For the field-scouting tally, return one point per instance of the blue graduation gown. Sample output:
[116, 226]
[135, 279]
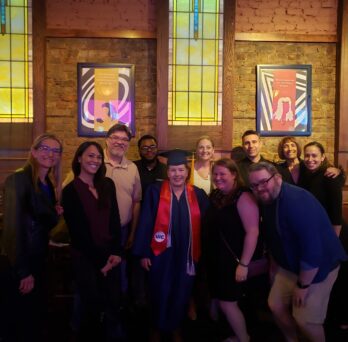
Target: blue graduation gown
[169, 284]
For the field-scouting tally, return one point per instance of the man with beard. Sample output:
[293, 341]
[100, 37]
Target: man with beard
[149, 167]
[304, 248]
[252, 144]
[150, 170]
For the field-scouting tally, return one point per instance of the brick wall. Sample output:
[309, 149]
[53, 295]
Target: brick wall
[322, 57]
[287, 16]
[101, 14]
[61, 106]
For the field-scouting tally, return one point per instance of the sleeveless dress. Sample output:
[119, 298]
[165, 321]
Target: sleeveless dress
[219, 262]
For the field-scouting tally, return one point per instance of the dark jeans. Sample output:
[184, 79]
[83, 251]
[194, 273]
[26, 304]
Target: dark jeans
[100, 301]
[21, 315]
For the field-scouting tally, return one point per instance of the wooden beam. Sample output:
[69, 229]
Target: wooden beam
[39, 70]
[162, 73]
[286, 37]
[227, 95]
[342, 87]
[70, 33]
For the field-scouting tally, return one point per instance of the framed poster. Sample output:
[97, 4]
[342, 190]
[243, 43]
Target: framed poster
[284, 100]
[105, 95]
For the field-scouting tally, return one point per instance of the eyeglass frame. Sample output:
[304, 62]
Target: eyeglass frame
[46, 149]
[116, 138]
[149, 148]
[261, 183]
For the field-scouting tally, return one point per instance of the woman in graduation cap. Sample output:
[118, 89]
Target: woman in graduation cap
[168, 243]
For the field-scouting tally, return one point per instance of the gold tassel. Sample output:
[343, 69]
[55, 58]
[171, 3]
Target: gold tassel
[192, 178]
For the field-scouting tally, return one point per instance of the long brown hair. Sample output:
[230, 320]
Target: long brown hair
[55, 173]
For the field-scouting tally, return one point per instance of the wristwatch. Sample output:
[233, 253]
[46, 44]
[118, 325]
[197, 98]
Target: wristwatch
[302, 286]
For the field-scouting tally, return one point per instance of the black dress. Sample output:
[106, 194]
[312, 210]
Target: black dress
[219, 261]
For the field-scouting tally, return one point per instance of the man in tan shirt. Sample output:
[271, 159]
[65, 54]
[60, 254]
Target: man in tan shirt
[125, 175]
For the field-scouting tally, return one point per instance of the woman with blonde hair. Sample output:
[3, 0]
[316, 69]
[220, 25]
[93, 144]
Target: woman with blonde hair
[31, 210]
[201, 171]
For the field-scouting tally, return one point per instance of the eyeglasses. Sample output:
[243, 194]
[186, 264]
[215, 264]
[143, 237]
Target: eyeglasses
[115, 138]
[46, 149]
[262, 183]
[148, 148]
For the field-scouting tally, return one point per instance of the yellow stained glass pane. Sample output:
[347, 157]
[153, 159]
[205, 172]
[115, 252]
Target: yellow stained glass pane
[195, 52]
[209, 26]
[18, 101]
[18, 76]
[211, 6]
[195, 106]
[5, 101]
[182, 25]
[18, 2]
[182, 51]
[17, 20]
[181, 105]
[209, 52]
[170, 106]
[208, 73]
[181, 78]
[195, 78]
[30, 101]
[18, 47]
[182, 5]
[5, 79]
[5, 47]
[208, 107]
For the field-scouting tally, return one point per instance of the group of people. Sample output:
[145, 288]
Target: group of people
[145, 233]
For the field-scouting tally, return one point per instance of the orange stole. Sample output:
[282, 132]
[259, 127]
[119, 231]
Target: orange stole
[161, 229]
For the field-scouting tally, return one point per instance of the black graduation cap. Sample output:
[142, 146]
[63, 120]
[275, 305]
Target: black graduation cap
[176, 156]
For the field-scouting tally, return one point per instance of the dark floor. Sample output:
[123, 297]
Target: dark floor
[203, 329]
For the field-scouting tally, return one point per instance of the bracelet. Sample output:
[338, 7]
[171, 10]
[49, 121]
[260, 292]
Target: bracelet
[301, 286]
[244, 265]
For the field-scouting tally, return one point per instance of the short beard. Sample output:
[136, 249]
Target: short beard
[147, 161]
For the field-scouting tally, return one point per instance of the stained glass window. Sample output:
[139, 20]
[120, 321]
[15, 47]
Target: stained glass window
[16, 82]
[195, 62]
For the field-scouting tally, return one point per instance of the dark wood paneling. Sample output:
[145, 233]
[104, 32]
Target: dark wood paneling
[39, 67]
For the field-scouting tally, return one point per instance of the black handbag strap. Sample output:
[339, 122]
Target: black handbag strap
[228, 246]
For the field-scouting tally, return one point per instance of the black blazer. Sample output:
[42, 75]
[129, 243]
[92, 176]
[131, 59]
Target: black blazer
[29, 215]
[78, 225]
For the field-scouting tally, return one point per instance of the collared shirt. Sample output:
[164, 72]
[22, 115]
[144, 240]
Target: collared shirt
[128, 187]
